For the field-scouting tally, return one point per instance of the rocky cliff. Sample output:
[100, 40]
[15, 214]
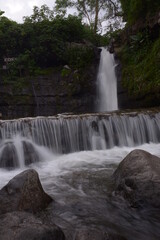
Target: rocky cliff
[138, 62]
[62, 90]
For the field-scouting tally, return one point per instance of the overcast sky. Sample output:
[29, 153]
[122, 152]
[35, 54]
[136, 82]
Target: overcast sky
[17, 9]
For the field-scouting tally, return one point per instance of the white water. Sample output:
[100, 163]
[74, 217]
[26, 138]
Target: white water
[107, 83]
[84, 132]
[78, 182]
[52, 166]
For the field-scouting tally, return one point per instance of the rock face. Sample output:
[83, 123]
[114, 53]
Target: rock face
[23, 225]
[24, 193]
[137, 179]
[125, 100]
[61, 90]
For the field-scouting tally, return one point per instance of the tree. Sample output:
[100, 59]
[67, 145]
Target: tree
[40, 14]
[92, 11]
[1, 13]
[10, 38]
[134, 10]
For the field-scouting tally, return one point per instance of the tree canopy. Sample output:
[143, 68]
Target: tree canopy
[42, 40]
[94, 12]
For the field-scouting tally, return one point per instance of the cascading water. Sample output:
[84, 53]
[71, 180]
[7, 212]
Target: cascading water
[79, 180]
[107, 83]
[73, 133]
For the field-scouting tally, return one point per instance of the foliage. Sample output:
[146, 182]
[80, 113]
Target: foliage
[40, 14]
[41, 41]
[65, 72]
[141, 66]
[138, 9]
[10, 38]
[140, 52]
[79, 57]
[94, 12]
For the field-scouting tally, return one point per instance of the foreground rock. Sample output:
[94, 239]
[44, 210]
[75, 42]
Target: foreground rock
[23, 225]
[137, 179]
[92, 234]
[24, 193]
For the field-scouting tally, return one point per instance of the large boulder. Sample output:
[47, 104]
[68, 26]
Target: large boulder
[137, 179]
[95, 234]
[90, 234]
[25, 226]
[24, 193]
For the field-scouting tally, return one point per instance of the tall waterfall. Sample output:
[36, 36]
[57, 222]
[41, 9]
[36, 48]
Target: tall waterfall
[22, 138]
[107, 83]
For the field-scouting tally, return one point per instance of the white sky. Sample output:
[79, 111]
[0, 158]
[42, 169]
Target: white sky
[17, 9]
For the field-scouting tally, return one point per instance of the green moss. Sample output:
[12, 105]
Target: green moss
[141, 68]
[65, 72]
[17, 100]
[79, 57]
[20, 84]
[45, 71]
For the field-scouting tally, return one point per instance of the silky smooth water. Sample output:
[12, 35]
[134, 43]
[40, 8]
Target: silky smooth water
[74, 133]
[79, 179]
[107, 82]
[79, 184]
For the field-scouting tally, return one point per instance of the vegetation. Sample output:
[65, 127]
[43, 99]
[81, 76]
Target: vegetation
[134, 10]
[94, 12]
[140, 51]
[141, 68]
[43, 41]
[48, 39]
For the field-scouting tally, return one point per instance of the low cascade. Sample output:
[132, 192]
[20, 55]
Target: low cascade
[107, 83]
[65, 134]
[18, 151]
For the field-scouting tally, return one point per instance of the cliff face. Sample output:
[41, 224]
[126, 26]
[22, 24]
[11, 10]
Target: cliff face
[63, 90]
[137, 50]
[128, 100]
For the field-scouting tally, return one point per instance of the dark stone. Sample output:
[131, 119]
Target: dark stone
[90, 234]
[30, 154]
[24, 193]
[93, 234]
[8, 156]
[137, 179]
[111, 46]
[25, 226]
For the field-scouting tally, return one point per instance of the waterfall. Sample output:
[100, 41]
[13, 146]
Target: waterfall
[107, 83]
[71, 133]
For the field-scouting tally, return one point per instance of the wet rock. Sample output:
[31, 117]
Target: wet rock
[30, 153]
[90, 234]
[137, 179]
[93, 234]
[10, 158]
[25, 226]
[24, 193]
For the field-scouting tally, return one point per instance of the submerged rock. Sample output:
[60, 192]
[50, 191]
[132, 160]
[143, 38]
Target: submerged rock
[23, 225]
[137, 179]
[24, 193]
